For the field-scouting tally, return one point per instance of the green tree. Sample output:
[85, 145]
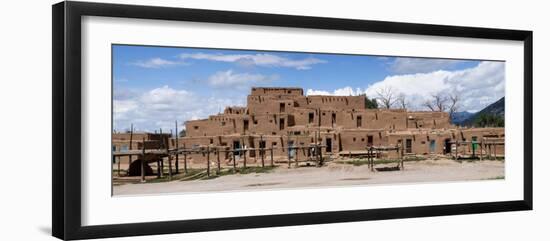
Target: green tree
[489, 120]
[371, 103]
[182, 133]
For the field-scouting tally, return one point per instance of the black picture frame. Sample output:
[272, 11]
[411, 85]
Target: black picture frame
[66, 75]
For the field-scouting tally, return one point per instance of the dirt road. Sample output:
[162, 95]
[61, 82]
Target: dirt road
[334, 174]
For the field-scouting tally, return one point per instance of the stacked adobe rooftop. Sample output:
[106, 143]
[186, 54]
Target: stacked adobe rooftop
[286, 122]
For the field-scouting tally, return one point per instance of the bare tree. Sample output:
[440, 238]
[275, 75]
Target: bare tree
[386, 97]
[402, 101]
[454, 103]
[438, 102]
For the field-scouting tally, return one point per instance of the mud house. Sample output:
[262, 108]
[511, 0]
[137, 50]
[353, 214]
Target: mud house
[281, 119]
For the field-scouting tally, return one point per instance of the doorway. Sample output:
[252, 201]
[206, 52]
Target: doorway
[328, 142]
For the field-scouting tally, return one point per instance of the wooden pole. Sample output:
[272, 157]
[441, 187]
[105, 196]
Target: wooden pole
[184, 159]
[208, 161]
[158, 169]
[271, 151]
[244, 158]
[130, 148]
[234, 160]
[456, 150]
[143, 161]
[320, 156]
[118, 168]
[165, 145]
[401, 158]
[219, 163]
[296, 157]
[162, 167]
[371, 158]
[177, 150]
[262, 150]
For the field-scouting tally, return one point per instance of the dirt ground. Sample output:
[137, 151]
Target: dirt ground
[333, 174]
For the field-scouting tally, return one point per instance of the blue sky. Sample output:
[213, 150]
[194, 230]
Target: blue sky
[154, 86]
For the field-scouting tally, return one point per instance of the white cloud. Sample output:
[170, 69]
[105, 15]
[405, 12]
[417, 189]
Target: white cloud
[156, 63]
[346, 91]
[266, 60]
[160, 107]
[404, 65]
[478, 86]
[239, 80]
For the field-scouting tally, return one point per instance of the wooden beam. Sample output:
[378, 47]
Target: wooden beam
[177, 150]
[184, 160]
[130, 147]
[271, 151]
[218, 159]
[208, 161]
[143, 162]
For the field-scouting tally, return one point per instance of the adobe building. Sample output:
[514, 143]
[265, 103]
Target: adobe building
[281, 118]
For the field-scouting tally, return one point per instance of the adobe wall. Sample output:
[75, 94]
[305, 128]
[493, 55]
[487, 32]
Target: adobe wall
[276, 91]
[428, 120]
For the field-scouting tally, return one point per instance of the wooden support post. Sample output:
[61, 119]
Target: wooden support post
[169, 158]
[262, 153]
[130, 147]
[207, 161]
[371, 159]
[244, 158]
[161, 167]
[456, 150]
[320, 156]
[296, 157]
[177, 150]
[158, 169]
[129, 163]
[401, 158]
[169, 167]
[184, 159]
[218, 159]
[234, 161]
[143, 162]
[271, 152]
[118, 167]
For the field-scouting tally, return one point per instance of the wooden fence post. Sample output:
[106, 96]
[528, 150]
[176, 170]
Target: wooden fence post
[218, 156]
[234, 160]
[272, 164]
[143, 162]
[177, 150]
[184, 159]
[208, 161]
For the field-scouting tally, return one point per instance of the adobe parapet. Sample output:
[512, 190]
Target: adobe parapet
[277, 91]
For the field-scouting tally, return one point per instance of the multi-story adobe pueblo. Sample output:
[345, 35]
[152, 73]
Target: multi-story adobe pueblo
[283, 118]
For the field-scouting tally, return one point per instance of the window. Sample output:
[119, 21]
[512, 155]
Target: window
[223, 123]
[196, 127]
[311, 115]
[359, 121]
[245, 123]
[354, 139]
[282, 107]
[281, 124]
[124, 148]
